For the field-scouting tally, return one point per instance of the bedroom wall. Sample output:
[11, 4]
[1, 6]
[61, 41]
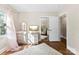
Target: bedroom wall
[32, 18]
[72, 12]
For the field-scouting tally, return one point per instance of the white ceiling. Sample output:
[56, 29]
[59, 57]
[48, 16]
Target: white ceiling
[37, 7]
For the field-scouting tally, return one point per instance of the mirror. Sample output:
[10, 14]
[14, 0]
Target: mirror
[44, 25]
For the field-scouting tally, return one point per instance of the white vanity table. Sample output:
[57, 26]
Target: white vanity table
[30, 36]
[22, 37]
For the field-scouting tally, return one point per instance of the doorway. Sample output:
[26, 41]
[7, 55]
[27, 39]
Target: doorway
[63, 28]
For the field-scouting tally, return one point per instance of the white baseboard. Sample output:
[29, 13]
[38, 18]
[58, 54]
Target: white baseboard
[73, 50]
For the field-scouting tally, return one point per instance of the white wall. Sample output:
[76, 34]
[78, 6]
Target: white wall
[72, 12]
[31, 18]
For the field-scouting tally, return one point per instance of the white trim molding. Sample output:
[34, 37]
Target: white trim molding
[73, 50]
[63, 13]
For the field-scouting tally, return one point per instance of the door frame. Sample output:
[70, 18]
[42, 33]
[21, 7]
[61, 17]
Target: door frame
[61, 15]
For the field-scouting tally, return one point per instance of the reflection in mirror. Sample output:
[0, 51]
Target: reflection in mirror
[44, 25]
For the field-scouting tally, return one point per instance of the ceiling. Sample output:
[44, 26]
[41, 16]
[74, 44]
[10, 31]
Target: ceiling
[37, 7]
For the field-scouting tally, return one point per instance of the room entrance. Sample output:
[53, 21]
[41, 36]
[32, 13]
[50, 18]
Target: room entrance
[63, 28]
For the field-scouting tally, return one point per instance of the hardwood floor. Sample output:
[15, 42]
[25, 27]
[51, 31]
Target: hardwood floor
[59, 46]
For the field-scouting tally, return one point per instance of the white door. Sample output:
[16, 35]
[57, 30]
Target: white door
[54, 30]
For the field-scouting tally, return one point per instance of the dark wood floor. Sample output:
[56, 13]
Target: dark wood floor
[59, 46]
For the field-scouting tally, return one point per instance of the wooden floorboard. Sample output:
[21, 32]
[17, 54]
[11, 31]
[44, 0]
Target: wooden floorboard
[58, 45]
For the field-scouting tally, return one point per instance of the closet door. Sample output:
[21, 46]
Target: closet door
[54, 30]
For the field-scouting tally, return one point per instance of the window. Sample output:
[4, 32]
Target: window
[2, 23]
